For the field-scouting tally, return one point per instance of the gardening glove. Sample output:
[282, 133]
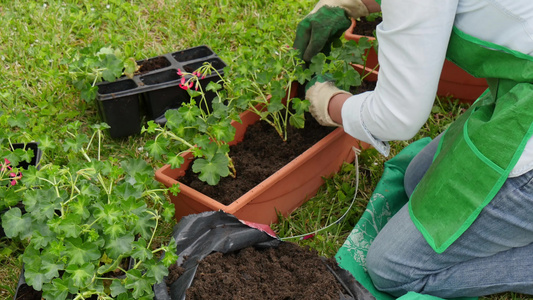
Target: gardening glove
[325, 23]
[319, 91]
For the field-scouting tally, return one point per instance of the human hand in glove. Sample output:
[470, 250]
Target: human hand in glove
[326, 22]
[319, 91]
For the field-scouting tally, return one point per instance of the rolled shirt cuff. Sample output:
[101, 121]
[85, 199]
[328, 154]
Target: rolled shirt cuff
[354, 125]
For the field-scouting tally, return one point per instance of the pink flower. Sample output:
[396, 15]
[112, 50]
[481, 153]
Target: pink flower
[183, 84]
[179, 72]
[6, 165]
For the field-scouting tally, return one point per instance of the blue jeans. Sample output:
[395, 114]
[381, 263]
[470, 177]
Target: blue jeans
[494, 255]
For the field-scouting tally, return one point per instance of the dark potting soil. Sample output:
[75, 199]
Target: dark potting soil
[287, 272]
[26, 292]
[261, 153]
[366, 28]
[151, 64]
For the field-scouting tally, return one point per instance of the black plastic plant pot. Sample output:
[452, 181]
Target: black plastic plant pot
[120, 107]
[123, 104]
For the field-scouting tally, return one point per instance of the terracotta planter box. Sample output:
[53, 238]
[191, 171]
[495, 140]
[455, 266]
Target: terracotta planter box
[124, 104]
[282, 192]
[454, 81]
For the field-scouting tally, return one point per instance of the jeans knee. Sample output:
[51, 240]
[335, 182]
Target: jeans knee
[386, 274]
[378, 269]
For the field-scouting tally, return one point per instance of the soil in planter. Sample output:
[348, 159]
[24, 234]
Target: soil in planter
[286, 272]
[366, 28]
[259, 155]
[364, 87]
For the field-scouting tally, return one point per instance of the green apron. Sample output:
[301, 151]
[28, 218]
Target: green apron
[479, 150]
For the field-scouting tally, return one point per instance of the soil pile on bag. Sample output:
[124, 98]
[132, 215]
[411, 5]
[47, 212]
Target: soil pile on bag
[284, 272]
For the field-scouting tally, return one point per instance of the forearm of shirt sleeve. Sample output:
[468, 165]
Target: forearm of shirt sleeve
[413, 39]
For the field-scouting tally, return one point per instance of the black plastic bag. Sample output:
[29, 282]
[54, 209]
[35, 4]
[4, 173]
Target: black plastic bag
[202, 234]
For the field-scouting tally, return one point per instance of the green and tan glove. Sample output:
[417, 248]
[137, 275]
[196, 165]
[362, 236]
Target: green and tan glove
[325, 23]
[319, 91]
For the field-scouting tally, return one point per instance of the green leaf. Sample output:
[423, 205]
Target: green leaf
[175, 161]
[41, 237]
[170, 257]
[168, 211]
[297, 120]
[223, 131]
[134, 166]
[211, 169]
[33, 275]
[140, 285]
[79, 253]
[117, 288]
[79, 207]
[46, 143]
[140, 251]
[69, 226]
[113, 67]
[76, 143]
[156, 270]
[50, 267]
[175, 189]
[189, 114]
[114, 230]
[109, 212]
[90, 93]
[157, 147]
[130, 67]
[119, 246]
[58, 289]
[317, 63]
[144, 225]
[16, 225]
[300, 106]
[80, 275]
[213, 86]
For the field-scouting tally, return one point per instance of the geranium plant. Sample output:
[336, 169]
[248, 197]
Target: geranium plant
[91, 226]
[263, 86]
[202, 127]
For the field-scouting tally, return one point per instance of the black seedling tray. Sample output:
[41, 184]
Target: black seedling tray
[123, 104]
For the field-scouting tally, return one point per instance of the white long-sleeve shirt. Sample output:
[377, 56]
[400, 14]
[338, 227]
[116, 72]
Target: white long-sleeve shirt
[413, 39]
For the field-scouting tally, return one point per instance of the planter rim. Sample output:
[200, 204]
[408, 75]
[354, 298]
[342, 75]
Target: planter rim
[348, 34]
[258, 189]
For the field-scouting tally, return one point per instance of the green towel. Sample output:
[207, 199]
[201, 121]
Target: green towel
[388, 197]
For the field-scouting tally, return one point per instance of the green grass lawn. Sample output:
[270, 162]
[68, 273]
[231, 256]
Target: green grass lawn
[37, 100]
